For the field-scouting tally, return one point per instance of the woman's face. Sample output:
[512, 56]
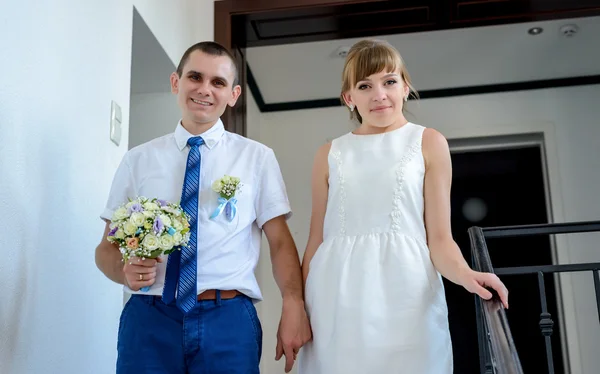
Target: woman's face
[379, 98]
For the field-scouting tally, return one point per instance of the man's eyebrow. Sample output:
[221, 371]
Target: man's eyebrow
[194, 72]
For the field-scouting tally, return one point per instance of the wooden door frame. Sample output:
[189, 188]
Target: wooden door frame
[234, 118]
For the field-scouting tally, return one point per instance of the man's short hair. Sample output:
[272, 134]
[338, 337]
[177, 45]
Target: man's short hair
[210, 48]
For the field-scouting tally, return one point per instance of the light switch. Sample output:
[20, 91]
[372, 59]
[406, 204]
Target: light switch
[115, 123]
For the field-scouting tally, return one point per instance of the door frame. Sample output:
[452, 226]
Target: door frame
[544, 139]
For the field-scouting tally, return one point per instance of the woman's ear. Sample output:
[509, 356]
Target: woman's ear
[348, 100]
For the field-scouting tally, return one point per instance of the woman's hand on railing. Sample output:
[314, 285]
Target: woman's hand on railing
[477, 282]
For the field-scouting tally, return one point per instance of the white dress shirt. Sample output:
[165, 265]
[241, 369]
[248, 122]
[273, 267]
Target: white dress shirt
[227, 251]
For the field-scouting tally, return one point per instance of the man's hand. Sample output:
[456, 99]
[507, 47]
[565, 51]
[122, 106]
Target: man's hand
[294, 328]
[294, 331]
[140, 273]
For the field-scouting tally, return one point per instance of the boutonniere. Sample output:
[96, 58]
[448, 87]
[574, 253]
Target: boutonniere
[226, 187]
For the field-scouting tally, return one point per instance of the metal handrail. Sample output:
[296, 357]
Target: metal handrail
[491, 320]
[497, 350]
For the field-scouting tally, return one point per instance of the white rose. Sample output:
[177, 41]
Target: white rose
[130, 204]
[166, 242]
[174, 212]
[120, 234]
[177, 225]
[150, 206]
[177, 238]
[148, 213]
[217, 186]
[151, 242]
[129, 228]
[226, 179]
[137, 219]
[120, 214]
[165, 219]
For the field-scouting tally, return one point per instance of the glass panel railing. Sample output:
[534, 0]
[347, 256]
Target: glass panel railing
[497, 351]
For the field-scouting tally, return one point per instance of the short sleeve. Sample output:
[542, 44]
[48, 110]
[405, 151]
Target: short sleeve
[122, 189]
[271, 196]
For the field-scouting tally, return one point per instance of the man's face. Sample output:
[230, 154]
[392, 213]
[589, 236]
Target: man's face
[205, 87]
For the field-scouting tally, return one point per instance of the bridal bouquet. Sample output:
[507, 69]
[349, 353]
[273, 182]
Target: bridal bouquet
[148, 228]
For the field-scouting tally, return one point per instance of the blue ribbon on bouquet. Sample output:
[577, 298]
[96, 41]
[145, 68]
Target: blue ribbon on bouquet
[226, 205]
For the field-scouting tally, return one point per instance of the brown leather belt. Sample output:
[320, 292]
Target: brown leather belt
[212, 294]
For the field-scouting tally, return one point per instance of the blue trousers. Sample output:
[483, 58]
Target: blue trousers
[216, 337]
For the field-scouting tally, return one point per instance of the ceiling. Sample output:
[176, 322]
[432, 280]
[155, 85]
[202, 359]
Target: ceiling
[436, 59]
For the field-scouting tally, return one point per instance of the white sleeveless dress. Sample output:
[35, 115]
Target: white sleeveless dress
[376, 303]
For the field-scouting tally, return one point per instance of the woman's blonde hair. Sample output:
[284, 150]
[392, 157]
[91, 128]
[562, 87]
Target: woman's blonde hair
[369, 57]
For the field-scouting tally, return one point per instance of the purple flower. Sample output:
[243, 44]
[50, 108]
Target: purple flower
[137, 207]
[113, 231]
[161, 202]
[158, 226]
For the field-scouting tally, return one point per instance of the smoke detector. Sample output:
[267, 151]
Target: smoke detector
[342, 52]
[569, 31]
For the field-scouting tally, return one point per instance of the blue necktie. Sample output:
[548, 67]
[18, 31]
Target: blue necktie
[182, 265]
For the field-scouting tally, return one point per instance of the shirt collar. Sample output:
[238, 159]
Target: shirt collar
[211, 136]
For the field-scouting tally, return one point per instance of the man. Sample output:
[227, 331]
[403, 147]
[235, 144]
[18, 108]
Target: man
[211, 325]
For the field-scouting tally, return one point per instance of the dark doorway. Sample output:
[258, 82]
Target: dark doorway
[499, 188]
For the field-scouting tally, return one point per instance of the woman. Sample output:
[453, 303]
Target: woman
[380, 234]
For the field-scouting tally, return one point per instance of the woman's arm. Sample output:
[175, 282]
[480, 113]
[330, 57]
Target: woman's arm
[445, 253]
[320, 188]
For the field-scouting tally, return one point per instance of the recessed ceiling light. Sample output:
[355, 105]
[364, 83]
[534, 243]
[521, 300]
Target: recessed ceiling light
[535, 31]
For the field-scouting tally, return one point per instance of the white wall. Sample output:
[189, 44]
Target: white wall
[177, 24]
[62, 63]
[152, 115]
[270, 316]
[253, 116]
[569, 119]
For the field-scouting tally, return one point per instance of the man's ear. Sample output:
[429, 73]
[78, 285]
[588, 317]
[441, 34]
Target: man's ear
[235, 94]
[174, 83]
